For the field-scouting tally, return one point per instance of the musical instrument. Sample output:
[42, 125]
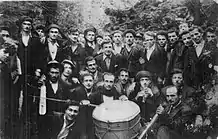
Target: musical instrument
[117, 119]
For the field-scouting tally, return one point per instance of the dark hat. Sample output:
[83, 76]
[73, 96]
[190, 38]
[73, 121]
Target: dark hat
[139, 35]
[129, 31]
[117, 31]
[176, 71]
[26, 18]
[53, 63]
[68, 62]
[4, 28]
[90, 29]
[143, 73]
[40, 26]
[53, 26]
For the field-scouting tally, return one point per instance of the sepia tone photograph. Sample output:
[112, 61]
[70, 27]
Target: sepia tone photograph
[109, 69]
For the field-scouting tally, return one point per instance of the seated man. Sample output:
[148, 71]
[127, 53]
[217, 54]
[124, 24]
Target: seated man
[67, 125]
[107, 91]
[173, 119]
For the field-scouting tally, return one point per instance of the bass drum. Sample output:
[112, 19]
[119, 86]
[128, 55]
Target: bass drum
[117, 120]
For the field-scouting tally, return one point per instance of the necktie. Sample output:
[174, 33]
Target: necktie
[107, 61]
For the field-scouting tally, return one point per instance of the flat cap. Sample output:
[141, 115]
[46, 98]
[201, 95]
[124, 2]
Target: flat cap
[53, 26]
[68, 62]
[26, 18]
[53, 63]
[129, 31]
[90, 29]
[142, 74]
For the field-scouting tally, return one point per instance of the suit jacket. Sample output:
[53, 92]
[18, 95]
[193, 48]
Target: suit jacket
[101, 63]
[75, 131]
[157, 62]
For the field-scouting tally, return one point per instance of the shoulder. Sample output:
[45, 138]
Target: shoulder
[131, 88]
[98, 57]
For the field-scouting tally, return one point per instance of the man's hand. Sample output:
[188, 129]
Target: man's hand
[123, 98]
[140, 94]
[160, 109]
[141, 60]
[75, 80]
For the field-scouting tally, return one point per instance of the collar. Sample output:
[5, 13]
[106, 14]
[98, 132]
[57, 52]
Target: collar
[152, 48]
[53, 83]
[30, 34]
[104, 56]
[53, 43]
[200, 44]
[177, 104]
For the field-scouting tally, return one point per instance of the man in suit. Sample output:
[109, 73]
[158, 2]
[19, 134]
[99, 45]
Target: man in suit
[153, 57]
[67, 125]
[174, 117]
[107, 60]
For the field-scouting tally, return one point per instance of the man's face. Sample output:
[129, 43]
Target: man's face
[117, 38]
[107, 48]
[40, 32]
[4, 56]
[177, 79]
[145, 82]
[124, 76]
[183, 27]
[71, 112]
[162, 40]
[172, 37]
[54, 75]
[108, 82]
[196, 36]
[129, 38]
[211, 37]
[186, 38]
[99, 40]
[90, 36]
[107, 38]
[67, 69]
[53, 33]
[81, 38]
[138, 40]
[88, 82]
[26, 26]
[74, 36]
[5, 34]
[92, 66]
[149, 41]
[172, 96]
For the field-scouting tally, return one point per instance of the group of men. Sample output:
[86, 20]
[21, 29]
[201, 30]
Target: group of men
[48, 79]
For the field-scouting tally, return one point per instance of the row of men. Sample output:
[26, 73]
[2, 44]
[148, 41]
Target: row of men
[189, 51]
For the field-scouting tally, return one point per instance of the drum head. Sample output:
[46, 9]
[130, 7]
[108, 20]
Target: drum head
[116, 111]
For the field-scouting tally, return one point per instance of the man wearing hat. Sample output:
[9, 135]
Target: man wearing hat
[40, 29]
[53, 89]
[117, 41]
[145, 94]
[130, 53]
[139, 38]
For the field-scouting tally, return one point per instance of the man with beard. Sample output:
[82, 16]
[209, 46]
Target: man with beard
[123, 82]
[129, 53]
[107, 60]
[67, 125]
[51, 88]
[107, 91]
[174, 117]
[92, 67]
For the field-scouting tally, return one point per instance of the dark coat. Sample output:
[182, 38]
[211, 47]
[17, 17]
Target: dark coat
[157, 62]
[75, 132]
[102, 64]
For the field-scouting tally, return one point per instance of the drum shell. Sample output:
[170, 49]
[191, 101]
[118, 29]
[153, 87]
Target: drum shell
[118, 130]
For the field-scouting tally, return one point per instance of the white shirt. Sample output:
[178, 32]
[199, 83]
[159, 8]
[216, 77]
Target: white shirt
[54, 86]
[53, 49]
[150, 51]
[106, 98]
[118, 49]
[25, 39]
[199, 48]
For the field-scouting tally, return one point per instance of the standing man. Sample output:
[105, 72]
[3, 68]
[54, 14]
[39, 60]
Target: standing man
[153, 57]
[107, 60]
[4, 33]
[117, 41]
[90, 41]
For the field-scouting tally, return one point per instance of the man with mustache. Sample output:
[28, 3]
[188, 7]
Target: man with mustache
[174, 117]
[52, 88]
[67, 125]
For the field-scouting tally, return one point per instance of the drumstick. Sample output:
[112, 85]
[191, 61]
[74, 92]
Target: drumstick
[149, 126]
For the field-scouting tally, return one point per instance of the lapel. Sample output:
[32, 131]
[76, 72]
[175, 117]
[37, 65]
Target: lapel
[153, 54]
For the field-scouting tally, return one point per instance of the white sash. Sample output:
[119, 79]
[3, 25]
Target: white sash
[42, 101]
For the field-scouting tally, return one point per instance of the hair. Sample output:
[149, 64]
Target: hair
[211, 29]
[82, 76]
[55, 66]
[196, 27]
[162, 33]
[173, 30]
[179, 91]
[150, 33]
[106, 42]
[108, 74]
[89, 58]
[117, 31]
[70, 103]
[183, 33]
[72, 29]
[123, 69]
